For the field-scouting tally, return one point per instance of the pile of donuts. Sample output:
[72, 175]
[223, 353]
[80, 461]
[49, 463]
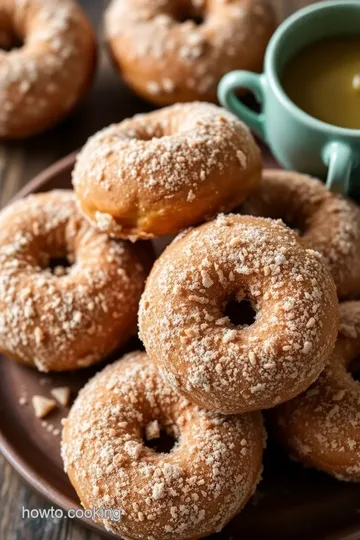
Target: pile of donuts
[240, 313]
[167, 51]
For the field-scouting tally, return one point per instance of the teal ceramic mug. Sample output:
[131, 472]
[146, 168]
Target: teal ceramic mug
[297, 140]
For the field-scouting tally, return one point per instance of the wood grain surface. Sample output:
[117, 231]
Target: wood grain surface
[21, 161]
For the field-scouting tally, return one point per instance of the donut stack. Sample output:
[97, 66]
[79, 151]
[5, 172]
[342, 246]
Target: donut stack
[239, 314]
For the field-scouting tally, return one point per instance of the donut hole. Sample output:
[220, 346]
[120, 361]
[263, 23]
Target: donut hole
[194, 17]
[354, 369]
[155, 131]
[189, 12]
[162, 442]
[9, 38]
[240, 312]
[59, 265]
[295, 224]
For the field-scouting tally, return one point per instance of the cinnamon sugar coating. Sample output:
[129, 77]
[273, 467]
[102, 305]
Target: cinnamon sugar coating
[44, 77]
[201, 353]
[157, 173]
[71, 317]
[321, 427]
[188, 493]
[329, 223]
[165, 56]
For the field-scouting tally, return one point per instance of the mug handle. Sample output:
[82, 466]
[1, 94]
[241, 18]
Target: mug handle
[254, 82]
[339, 158]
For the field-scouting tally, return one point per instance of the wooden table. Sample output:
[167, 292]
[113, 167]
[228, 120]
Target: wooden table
[19, 162]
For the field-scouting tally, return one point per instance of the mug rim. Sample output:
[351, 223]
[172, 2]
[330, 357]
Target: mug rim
[272, 75]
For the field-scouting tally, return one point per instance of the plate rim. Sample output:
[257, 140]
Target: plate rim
[50, 171]
[44, 488]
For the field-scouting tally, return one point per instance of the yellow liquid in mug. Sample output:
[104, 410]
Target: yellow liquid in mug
[324, 80]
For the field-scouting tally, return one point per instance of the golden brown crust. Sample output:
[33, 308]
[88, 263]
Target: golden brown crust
[329, 223]
[188, 493]
[68, 318]
[46, 77]
[321, 428]
[158, 173]
[166, 57]
[228, 368]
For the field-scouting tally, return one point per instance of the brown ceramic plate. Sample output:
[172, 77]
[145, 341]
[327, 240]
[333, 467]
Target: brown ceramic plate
[292, 503]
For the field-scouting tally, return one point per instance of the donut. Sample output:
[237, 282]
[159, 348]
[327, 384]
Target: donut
[46, 65]
[321, 428]
[57, 317]
[158, 173]
[230, 362]
[192, 490]
[329, 223]
[176, 50]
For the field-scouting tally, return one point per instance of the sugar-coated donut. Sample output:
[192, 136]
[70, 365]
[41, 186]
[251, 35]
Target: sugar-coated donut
[232, 368]
[165, 56]
[44, 77]
[321, 428]
[67, 318]
[158, 173]
[187, 493]
[328, 223]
